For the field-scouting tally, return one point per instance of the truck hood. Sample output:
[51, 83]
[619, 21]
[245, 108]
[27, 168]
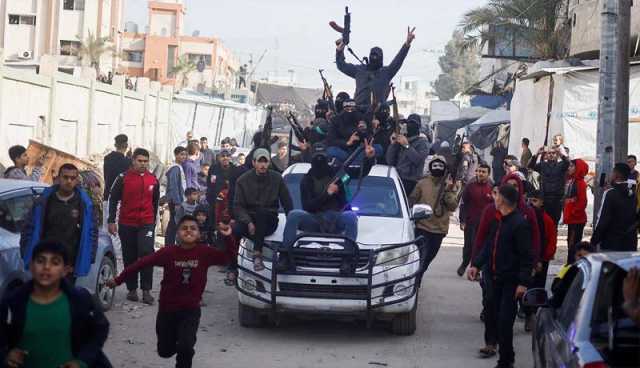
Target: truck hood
[371, 230]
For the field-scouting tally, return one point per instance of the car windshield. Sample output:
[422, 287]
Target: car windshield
[377, 196]
[14, 211]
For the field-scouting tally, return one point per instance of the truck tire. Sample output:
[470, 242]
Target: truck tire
[249, 317]
[404, 324]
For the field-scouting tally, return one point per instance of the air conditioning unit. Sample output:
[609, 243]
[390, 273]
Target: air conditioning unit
[25, 54]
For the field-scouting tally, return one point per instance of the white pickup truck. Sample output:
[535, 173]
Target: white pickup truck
[384, 285]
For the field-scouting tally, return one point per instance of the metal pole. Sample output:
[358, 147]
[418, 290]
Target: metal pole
[613, 105]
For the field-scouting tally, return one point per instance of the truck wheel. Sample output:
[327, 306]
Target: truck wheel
[404, 324]
[104, 295]
[249, 317]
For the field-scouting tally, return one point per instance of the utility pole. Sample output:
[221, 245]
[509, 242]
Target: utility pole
[613, 105]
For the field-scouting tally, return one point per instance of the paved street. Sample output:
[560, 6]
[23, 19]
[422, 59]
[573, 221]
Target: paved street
[449, 331]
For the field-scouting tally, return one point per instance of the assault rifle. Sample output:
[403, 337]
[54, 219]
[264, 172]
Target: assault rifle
[327, 94]
[396, 114]
[296, 128]
[265, 139]
[347, 26]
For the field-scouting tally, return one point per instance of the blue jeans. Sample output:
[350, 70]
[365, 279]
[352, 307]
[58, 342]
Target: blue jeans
[341, 155]
[346, 222]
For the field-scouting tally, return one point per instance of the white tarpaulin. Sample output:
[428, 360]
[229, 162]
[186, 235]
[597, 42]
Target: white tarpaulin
[574, 113]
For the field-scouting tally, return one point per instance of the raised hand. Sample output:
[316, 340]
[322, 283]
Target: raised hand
[340, 44]
[369, 151]
[411, 35]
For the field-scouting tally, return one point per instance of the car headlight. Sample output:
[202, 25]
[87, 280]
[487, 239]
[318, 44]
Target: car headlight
[393, 257]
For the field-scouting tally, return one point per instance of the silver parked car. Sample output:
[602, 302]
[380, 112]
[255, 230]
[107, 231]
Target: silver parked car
[16, 199]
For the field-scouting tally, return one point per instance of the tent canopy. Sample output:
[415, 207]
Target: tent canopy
[486, 130]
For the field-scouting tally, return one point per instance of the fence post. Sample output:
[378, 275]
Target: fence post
[91, 121]
[53, 111]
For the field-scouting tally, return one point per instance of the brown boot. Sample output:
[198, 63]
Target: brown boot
[132, 296]
[147, 298]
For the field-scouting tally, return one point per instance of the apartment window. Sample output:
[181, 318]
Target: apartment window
[195, 58]
[22, 19]
[133, 56]
[73, 5]
[69, 48]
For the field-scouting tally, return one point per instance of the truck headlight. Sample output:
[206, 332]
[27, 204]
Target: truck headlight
[393, 257]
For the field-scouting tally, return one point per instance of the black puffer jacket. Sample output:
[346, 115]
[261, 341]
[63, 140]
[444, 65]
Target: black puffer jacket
[552, 175]
[616, 228]
[342, 127]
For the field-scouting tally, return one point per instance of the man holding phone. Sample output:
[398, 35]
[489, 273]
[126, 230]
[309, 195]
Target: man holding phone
[324, 201]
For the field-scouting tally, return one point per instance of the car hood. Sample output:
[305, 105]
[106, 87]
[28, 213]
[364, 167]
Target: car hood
[373, 231]
[8, 240]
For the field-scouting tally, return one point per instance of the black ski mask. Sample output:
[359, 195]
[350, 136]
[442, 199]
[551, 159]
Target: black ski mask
[319, 162]
[413, 128]
[437, 167]
[322, 107]
[375, 59]
[383, 113]
[340, 99]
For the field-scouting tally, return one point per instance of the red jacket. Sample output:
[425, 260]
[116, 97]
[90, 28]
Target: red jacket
[138, 195]
[490, 214]
[575, 202]
[551, 238]
[475, 197]
[185, 274]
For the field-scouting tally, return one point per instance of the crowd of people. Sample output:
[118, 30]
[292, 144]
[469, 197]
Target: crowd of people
[510, 220]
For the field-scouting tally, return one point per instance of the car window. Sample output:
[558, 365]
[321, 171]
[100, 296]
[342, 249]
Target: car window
[569, 308]
[14, 212]
[376, 197]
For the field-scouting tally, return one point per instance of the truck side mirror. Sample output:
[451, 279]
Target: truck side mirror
[421, 212]
[537, 298]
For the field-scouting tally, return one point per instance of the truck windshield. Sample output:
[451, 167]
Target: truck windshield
[377, 196]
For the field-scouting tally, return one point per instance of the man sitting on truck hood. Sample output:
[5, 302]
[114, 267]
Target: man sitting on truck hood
[325, 204]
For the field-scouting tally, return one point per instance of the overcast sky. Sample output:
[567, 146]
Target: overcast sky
[296, 34]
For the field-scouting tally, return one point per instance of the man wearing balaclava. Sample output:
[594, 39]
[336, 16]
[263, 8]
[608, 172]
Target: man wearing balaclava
[325, 205]
[374, 77]
[348, 130]
[340, 99]
[382, 126]
[435, 228]
[408, 153]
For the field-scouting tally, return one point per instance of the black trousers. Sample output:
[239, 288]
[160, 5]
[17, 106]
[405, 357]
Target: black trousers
[501, 315]
[137, 242]
[469, 237]
[429, 248]
[539, 282]
[266, 223]
[574, 236]
[176, 333]
[172, 227]
[553, 206]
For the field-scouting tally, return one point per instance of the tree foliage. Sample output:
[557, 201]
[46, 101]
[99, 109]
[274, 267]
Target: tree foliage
[183, 67]
[540, 24]
[460, 68]
[92, 48]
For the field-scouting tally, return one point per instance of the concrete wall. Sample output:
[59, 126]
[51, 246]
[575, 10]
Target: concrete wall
[81, 116]
[585, 26]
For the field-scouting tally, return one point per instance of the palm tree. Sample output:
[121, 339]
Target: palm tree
[183, 67]
[540, 24]
[92, 48]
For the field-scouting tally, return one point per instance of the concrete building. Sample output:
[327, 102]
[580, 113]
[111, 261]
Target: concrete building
[414, 96]
[35, 32]
[154, 54]
[585, 28]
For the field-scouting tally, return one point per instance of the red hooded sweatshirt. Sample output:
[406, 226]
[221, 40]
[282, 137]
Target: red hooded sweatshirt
[575, 202]
[490, 214]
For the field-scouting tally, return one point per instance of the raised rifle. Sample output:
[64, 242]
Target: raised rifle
[450, 173]
[396, 114]
[347, 26]
[296, 128]
[265, 139]
[327, 94]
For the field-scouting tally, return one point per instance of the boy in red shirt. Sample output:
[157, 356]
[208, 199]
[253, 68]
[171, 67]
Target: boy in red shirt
[184, 280]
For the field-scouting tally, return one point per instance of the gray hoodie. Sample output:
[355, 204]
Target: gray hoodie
[409, 161]
[21, 174]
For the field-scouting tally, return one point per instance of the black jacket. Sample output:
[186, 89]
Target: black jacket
[616, 228]
[115, 163]
[507, 252]
[216, 180]
[89, 326]
[265, 192]
[367, 81]
[552, 175]
[342, 128]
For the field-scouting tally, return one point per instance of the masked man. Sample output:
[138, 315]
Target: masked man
[373, 78]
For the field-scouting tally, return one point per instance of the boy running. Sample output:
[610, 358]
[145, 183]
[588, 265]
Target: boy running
[184, 280]
[49, 323]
